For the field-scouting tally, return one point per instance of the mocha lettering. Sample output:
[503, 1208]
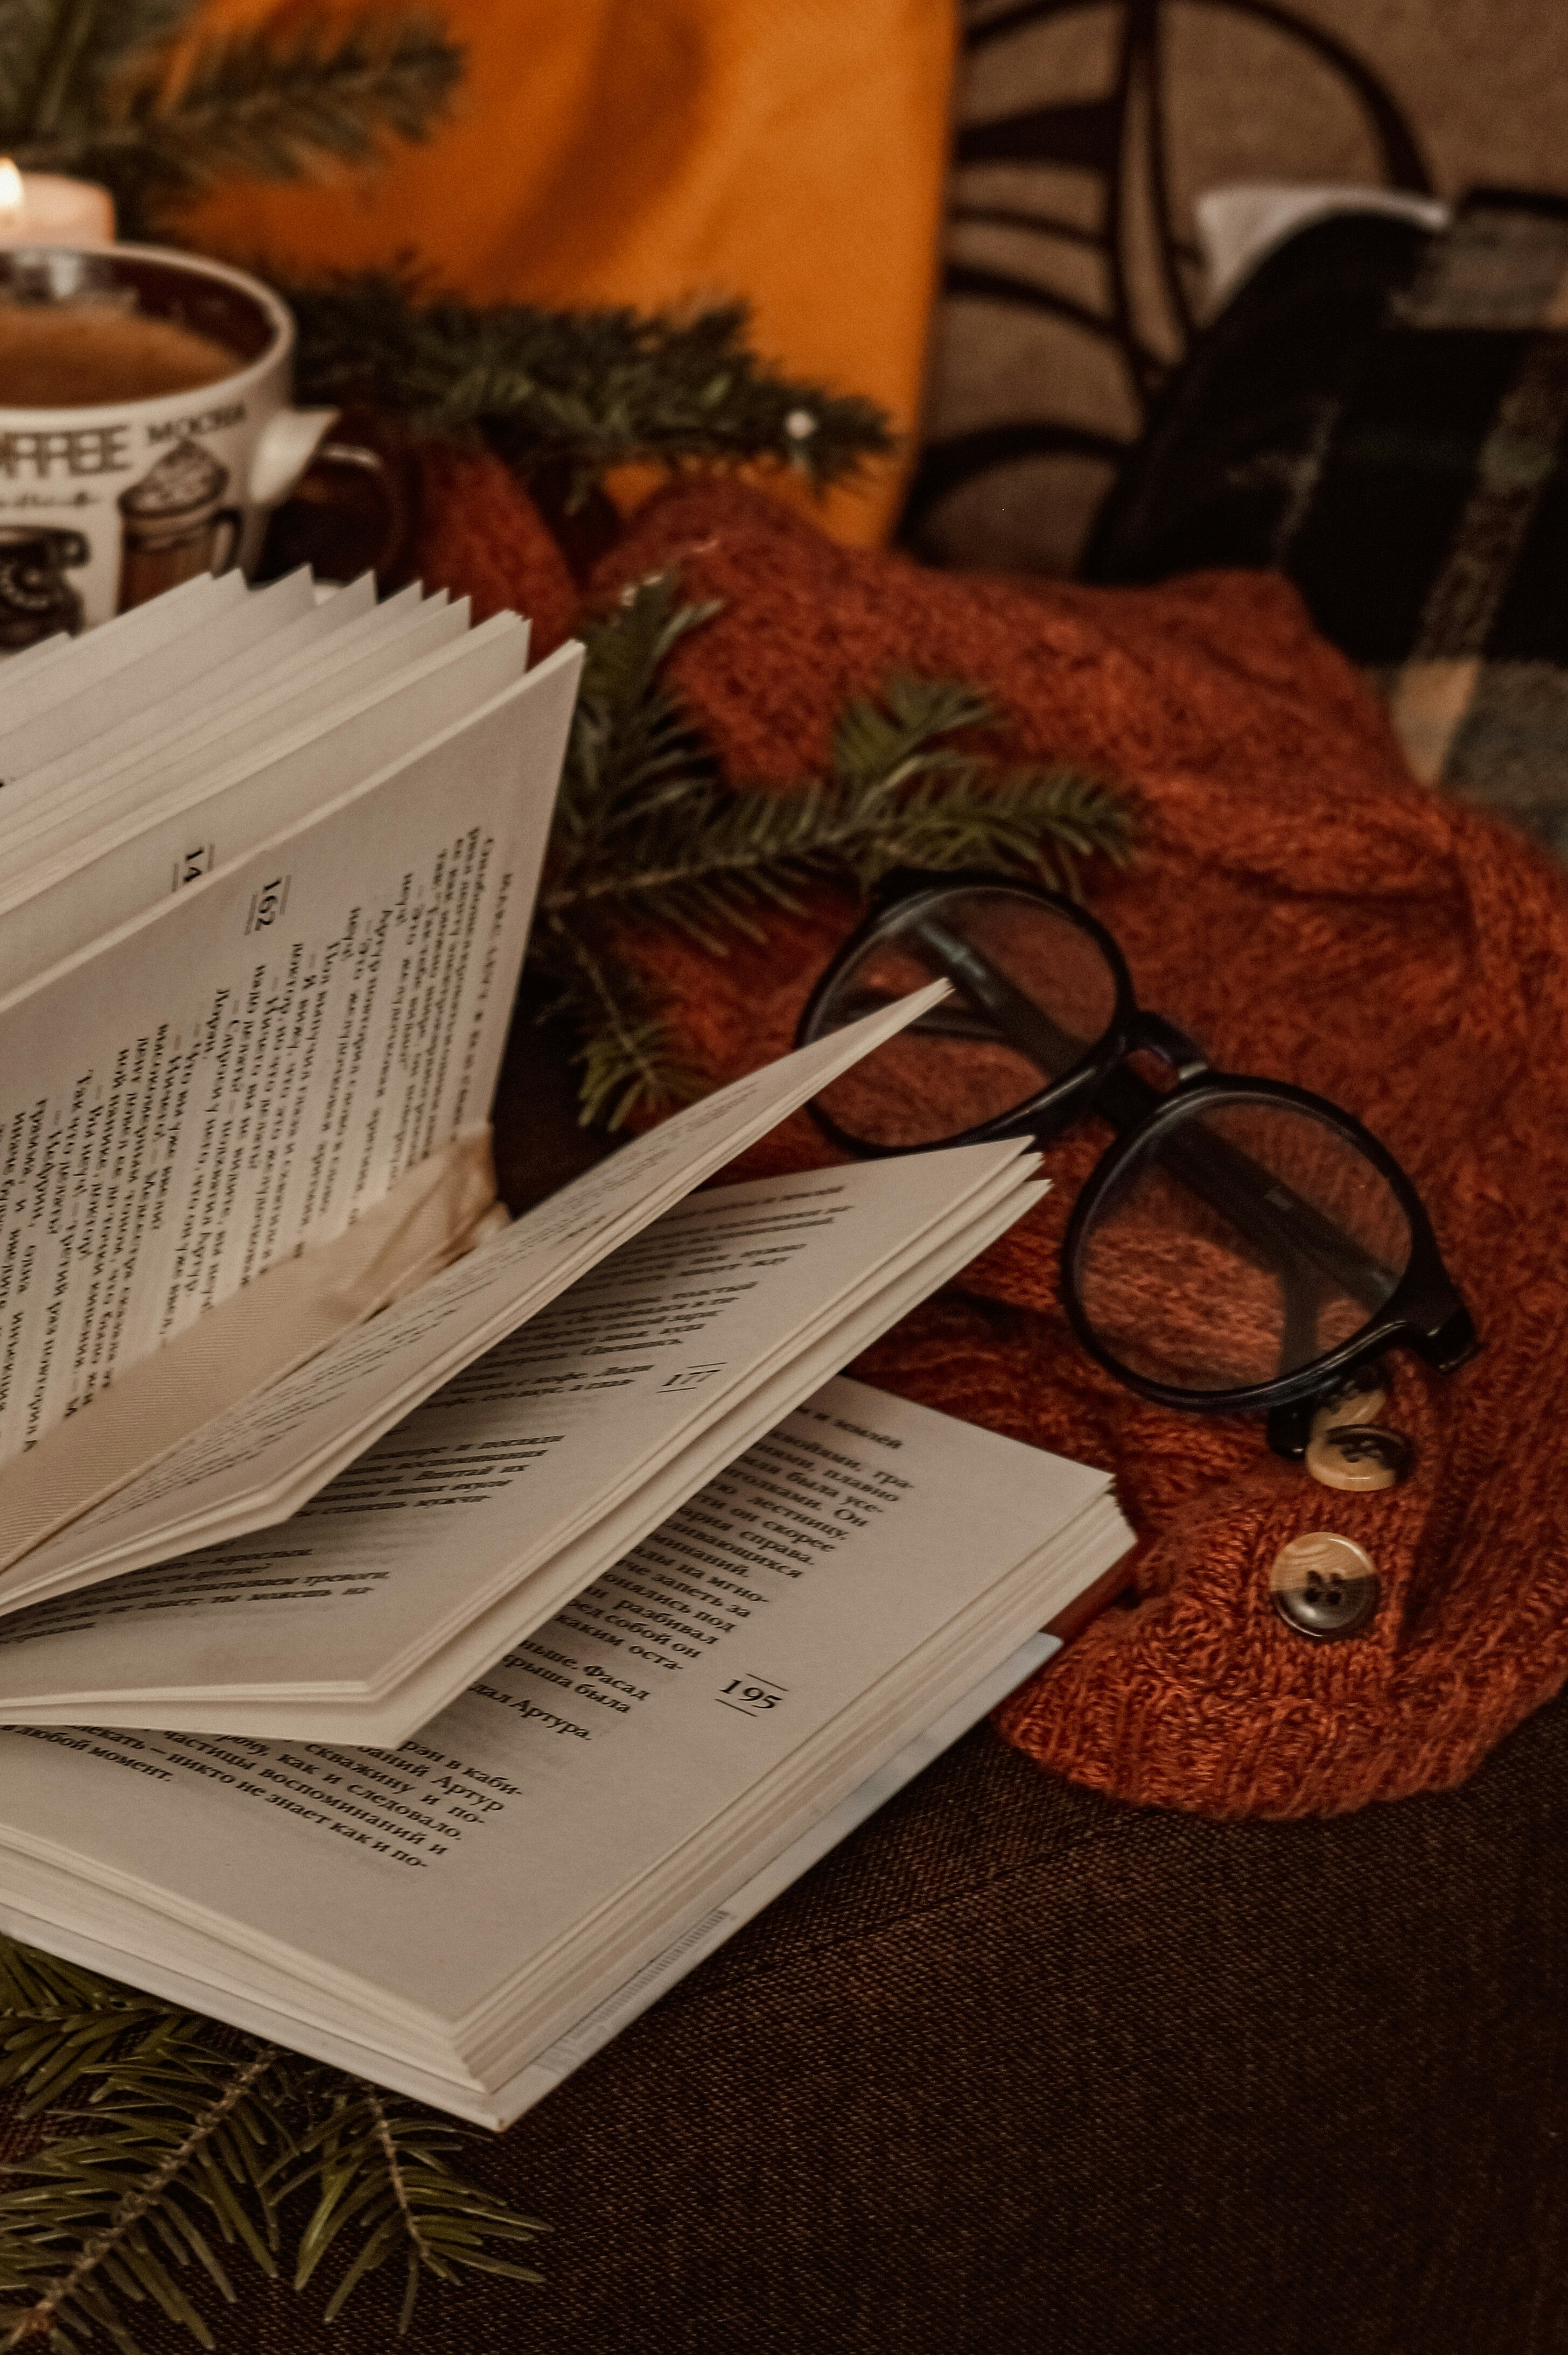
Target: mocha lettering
[206, 420]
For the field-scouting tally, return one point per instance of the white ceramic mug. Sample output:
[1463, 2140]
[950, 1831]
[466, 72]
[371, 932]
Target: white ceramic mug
[102, 508]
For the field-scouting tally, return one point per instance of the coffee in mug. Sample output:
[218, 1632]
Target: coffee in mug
[147, 431]
[82, 355]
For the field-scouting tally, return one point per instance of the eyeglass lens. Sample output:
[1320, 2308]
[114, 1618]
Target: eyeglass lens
[1244, 1240]
[1032, 995]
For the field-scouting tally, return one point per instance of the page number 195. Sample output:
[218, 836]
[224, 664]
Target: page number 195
[751, 1696]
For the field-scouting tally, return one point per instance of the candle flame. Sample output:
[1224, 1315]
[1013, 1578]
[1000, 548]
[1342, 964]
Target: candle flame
[11, 193]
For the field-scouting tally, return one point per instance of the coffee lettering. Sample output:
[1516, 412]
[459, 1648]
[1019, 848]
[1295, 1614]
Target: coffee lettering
[70, 450]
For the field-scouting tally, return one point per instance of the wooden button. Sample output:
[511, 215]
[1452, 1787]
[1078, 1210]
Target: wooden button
[1359, 1455]
[1360, 1397]
[1325, 1586]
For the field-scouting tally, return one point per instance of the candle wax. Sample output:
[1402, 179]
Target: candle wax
[57, 211]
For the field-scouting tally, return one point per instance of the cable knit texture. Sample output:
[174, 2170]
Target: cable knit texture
[1309, 912]
[479, 534]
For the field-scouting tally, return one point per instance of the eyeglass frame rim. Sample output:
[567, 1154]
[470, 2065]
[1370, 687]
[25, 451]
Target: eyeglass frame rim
[1425, 1305]
[897, 893]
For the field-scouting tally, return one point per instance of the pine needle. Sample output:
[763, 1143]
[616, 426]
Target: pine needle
[106, 90]
[271, 101]
[624, 1055]
[381, 2169]
[579, 390]
[58, 58]
[111, 2210]
[188, 2140]
[647, 833]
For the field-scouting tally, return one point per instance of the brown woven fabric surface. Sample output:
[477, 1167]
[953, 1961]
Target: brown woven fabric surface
[1020, 2066]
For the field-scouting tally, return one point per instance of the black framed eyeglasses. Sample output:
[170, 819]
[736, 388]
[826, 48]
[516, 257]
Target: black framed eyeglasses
[1242, 1244]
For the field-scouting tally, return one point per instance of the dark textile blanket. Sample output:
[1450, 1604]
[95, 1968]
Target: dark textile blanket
[1381, 414]
[1019, 2068]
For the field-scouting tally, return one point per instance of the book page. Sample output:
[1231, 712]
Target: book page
[258, 779]
[429, 1688]
[136, 685]
[67, 787]
[582, 1767]
[187, 740]
[69, 669]
[422, 1681]
[605, 2021]
[235, 1074]
[42, 650]
[144, 838]
[267, 1455]
[62, 785]
[593, 2018]
[532, 1444]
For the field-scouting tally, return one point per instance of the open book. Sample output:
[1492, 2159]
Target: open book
[408, 1564]
[261, 1062]
[266, 871]
[600, 1806]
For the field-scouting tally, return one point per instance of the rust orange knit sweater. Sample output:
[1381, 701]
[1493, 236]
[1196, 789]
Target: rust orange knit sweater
[1309, 912]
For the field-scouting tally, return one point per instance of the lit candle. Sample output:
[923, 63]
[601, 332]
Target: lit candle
[44, 209]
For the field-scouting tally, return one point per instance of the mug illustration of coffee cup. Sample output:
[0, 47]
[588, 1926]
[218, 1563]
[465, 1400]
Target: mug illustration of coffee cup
[37, 600]
[175, 523]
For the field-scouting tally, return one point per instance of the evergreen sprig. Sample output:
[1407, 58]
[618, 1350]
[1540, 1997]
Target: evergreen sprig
[59, 59]
[198, 2141]
[114, 91]
[577, 392]
[649, 834]
[384, 2169]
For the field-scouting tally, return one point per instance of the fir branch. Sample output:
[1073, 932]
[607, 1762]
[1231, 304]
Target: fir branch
[273, 100]
[143, 2177]
[623, 1050]
[648, 833]
[198, 2136]
[575, 390]
[384, 2170]
[632, 750]
[714, 863]
[58, 58]
[57, 2022]
[29, 42]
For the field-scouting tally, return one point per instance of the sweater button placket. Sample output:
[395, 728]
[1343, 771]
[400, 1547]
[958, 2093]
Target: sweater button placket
[1325, 1586]
[1351, 1447]
[1360, 1456]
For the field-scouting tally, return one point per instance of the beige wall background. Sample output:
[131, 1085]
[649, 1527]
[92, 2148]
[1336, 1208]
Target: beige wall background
[1079, 126]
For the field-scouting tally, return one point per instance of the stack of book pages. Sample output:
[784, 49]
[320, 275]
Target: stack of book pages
[423, 1634]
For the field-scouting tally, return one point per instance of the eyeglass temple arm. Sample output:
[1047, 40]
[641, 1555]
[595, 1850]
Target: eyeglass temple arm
[1028, 1027]
[1256, 1201]
[1301, 1293]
